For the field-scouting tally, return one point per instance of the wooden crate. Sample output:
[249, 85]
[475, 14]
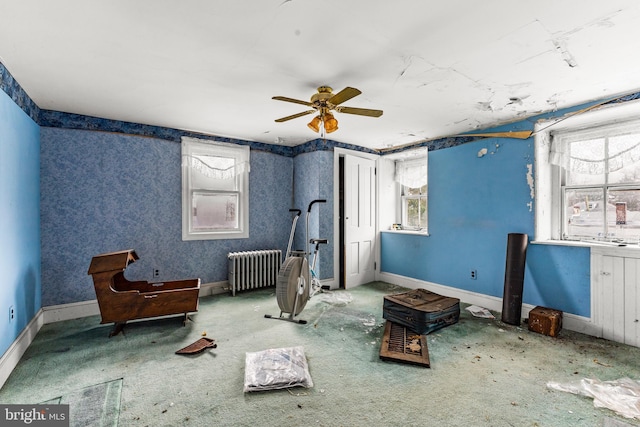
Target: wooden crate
[546, 321]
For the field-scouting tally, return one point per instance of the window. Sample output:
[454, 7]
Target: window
[412, 176]
[599, 177]
[215, 190]
[587, 175]
[414, 207]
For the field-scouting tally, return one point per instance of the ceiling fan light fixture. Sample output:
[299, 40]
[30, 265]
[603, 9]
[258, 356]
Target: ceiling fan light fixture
[330, 123]
[314, 124]
[324, 101]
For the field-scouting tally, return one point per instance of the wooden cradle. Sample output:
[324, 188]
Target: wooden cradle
[121, 300]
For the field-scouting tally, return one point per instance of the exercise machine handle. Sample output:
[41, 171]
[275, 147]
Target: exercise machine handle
[297, 211]
[316, 201]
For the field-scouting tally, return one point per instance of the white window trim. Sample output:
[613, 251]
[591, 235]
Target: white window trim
[416, 157]
[403, 212]
[242, 154]
[547, 177]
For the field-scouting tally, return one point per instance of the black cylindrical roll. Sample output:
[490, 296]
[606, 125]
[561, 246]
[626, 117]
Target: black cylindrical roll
[514, 278]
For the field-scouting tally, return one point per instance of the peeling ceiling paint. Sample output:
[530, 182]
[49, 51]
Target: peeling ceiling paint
[435, 68]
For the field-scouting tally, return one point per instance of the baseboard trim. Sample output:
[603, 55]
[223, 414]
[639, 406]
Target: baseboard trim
[570, 321]
[214, 288]
[74, 310]
[14, 353]
[61, 312]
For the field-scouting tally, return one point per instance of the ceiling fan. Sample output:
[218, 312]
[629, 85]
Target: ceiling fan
[325, 101]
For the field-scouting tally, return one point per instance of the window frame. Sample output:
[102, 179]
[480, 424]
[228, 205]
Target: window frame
[404, 199]
[604, 188]
[241, 154]
[549, 191]
[418, 158]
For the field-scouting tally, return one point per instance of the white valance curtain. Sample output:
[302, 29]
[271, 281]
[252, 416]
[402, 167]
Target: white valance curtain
[591, 157]
[215, 167]
[412, 172]
[224, 165]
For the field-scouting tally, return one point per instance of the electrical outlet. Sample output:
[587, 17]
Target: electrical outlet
[12, 314]
[474, 274]
[156, 272]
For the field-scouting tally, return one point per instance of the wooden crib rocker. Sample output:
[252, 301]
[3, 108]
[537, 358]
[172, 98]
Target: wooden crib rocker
[121, 300]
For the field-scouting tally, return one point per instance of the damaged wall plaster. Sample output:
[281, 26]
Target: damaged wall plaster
[530, 184]
[483, 151]
[530, 180]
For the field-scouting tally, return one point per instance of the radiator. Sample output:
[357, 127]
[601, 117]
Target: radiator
[253, 269]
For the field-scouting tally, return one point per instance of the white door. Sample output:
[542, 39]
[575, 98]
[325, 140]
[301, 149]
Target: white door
[360, 219]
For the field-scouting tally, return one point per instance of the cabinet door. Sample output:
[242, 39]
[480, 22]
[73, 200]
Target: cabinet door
[631, 301]
[612, 276]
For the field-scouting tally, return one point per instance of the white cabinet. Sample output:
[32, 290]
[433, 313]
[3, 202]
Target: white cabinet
[615, 293]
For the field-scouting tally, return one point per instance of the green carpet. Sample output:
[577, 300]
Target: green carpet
[94, 406]
[483, 372]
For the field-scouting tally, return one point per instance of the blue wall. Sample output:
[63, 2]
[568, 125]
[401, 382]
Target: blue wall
[19, 219]
[474, 203]
[103, 192]
[313, 180]
[107, 191]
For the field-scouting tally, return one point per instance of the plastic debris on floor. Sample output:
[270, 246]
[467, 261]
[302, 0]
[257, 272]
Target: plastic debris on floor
[621, 396]
[276, 368]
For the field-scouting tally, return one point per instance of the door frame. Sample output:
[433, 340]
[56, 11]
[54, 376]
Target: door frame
[337, 153]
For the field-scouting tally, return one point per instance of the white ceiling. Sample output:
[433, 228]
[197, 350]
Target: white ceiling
[436, 68]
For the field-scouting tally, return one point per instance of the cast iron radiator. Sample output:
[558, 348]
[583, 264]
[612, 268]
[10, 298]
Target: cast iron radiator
[253, 269]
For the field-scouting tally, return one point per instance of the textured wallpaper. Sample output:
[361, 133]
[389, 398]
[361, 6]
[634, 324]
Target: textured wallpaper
[103, 192]
[313, 179]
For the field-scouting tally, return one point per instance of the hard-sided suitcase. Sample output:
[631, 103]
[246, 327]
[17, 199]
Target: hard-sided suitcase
[421, 310]
[546, 321]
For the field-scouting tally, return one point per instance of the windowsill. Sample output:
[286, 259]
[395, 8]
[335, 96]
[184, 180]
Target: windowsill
[413, 232]
[583, 244]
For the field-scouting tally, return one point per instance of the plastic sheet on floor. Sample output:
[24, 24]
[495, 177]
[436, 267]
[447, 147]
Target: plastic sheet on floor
[621, 396]
[337, 298]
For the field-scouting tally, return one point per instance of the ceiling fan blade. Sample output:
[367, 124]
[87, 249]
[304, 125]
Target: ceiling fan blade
[519, 134]
[344, 95]
[295, 101]
[295, 116]
[359, 111]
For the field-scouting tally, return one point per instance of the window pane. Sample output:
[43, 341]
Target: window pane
[413, 213]
[587, 164]
[213, 211]
[584, 213]
[408, 191]
[423, 212]
[624, 214]
[624, 159]
[214, 172]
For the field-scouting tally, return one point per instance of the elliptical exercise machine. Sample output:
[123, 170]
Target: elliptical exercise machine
[297, 279]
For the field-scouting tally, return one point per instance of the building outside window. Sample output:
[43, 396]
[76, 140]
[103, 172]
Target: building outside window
[598, 172]
[587, 175]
